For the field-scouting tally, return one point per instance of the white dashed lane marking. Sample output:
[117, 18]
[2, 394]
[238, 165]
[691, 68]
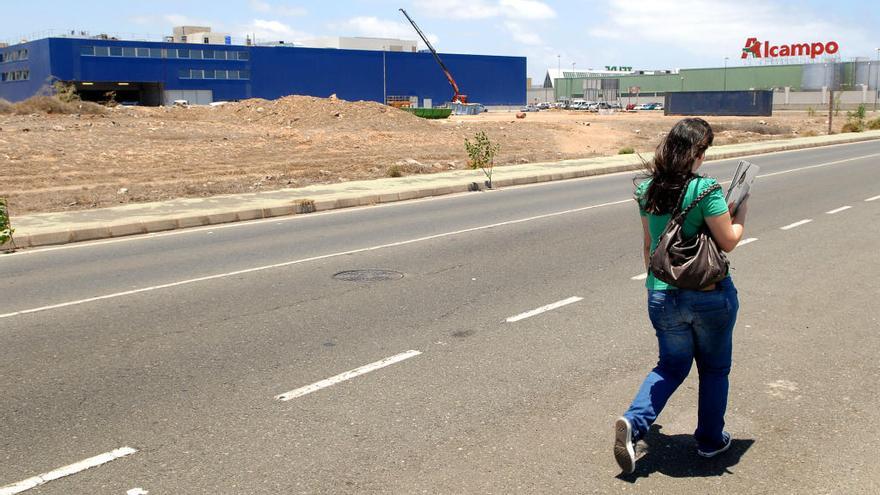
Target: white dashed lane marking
[348, 375]
[544, 309]
[44, 478]
[874, 198]
[641, 276]
[747, 241]
[796, 224]
[838, 210]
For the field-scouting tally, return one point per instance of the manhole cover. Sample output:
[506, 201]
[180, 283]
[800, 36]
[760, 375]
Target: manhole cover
[368, 275]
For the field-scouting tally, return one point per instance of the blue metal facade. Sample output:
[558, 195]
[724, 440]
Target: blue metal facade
[267, 72]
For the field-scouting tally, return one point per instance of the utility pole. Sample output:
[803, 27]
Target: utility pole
[831, 97]
[725, 73]
[877, 80]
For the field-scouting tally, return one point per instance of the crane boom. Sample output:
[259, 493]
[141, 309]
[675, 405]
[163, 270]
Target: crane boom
[457, 97]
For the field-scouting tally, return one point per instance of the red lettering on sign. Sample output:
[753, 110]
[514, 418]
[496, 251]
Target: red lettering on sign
[753, 48]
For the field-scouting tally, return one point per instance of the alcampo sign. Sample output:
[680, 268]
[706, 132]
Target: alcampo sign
[756, 49]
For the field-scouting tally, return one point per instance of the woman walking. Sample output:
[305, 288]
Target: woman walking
[689, 324]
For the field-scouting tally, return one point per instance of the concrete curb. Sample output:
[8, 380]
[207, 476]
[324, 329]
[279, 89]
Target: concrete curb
[449, 184]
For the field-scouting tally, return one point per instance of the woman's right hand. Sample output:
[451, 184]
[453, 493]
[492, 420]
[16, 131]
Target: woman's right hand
[741, 212]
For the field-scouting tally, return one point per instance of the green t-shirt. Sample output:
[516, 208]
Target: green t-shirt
[710, 206]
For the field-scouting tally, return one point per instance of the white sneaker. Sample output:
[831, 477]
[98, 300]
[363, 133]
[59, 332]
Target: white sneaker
[624, 453]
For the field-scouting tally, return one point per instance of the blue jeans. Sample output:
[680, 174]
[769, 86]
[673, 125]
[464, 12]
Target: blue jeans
[690, 325]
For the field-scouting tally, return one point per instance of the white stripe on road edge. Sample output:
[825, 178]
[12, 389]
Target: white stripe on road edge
[348, 375]
[747, 241]
[44, 478]
[796, 224]
[875, 198]
[544, 309]
[838, 210]
[819, 165]
[643, 276]
[306, 260]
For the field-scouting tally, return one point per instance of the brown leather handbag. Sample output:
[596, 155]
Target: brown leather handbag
[688, 263]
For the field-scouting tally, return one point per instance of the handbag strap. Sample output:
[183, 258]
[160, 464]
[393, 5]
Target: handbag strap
[709, 190]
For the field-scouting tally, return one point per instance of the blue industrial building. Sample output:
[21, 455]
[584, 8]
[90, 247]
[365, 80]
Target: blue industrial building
[153, 73]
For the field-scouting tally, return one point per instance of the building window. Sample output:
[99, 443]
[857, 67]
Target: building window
[115, 51]
[182, 53]
[197, 54]
[14, 55]
[219, 74]
[206, 40]
[244, 74]
[244, 56]
[88, 51]
[143, 52]
[197, 74]
[128, 51]
[183, 73]
[18, 75]
[102, 51]
[155, 53]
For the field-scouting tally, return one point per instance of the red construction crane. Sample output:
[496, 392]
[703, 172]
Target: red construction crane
[457, 97]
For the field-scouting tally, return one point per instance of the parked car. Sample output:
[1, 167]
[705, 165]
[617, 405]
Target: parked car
[658, 106]
[631, 107]
[529, 108]
[544, 106]
[615, 105]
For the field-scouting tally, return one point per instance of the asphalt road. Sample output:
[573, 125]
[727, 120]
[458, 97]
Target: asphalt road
[177, 345]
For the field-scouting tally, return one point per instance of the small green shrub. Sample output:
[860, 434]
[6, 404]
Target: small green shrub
[855, 121]
[628, 150]
[481, 154]
[65, 92]
[874, 124]
[395, 171]
[6, 229]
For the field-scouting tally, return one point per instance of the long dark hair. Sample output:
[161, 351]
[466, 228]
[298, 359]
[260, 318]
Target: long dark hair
[673, 162]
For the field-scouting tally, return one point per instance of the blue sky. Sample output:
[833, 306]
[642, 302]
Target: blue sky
[647, 34]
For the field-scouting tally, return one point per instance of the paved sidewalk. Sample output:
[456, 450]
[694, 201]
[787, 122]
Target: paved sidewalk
[65, 227]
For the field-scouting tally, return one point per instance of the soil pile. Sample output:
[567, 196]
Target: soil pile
[308, 112]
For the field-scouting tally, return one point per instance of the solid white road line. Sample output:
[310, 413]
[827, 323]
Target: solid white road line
[819, 165]
[838, 210]
[544, 309]
[44, 478]
[875, 198]
[796, 224]
[306, 260]
[747, 241]
[348, 375]
[642, 276]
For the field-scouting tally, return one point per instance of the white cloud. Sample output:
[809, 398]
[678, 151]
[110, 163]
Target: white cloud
[713, 27]
[526, 9]
[459, 9]
[282, 10]
[168, 19]
[374, 27]
[481, 9]
[182, 20]
[269, 30]
[522, 35]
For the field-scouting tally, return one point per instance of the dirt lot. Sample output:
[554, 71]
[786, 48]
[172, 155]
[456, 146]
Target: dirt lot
[52, 162]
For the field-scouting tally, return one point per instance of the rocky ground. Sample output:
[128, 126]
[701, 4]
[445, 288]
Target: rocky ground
[64, 161]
